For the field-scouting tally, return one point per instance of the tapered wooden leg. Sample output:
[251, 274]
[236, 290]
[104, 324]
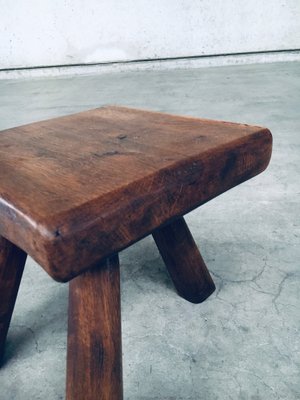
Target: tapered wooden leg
[184, 262]
[94, 360]
[12, 261]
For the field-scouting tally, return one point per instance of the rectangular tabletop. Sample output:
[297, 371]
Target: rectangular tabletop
[75, 189]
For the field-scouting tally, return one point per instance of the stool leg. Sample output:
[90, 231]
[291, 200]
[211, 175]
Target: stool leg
[184, 262]
[94, 360]
[12, 262]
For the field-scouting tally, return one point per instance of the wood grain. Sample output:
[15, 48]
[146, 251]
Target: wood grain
[184, 262]
[94, 360]
[103, 179]
[12, 262]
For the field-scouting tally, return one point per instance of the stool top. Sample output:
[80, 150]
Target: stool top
[78, 188]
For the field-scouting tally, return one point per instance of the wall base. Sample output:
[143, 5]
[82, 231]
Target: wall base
[160, 64]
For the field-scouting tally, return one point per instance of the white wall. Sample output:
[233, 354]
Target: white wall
[57, 32]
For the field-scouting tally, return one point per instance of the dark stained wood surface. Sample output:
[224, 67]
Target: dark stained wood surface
[184, 262]
[12, 262]
[94, 358]
[79, 188]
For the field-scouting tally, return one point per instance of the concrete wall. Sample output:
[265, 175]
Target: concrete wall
[57, 32]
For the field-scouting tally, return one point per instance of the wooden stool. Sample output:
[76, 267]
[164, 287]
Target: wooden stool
[76, 190]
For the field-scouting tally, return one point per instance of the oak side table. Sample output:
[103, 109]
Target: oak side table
[76, 190]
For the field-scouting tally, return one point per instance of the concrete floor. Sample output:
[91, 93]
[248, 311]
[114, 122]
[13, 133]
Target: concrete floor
[243, 342]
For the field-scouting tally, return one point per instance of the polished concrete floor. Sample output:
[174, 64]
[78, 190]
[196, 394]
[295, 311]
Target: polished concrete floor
[243, 342]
